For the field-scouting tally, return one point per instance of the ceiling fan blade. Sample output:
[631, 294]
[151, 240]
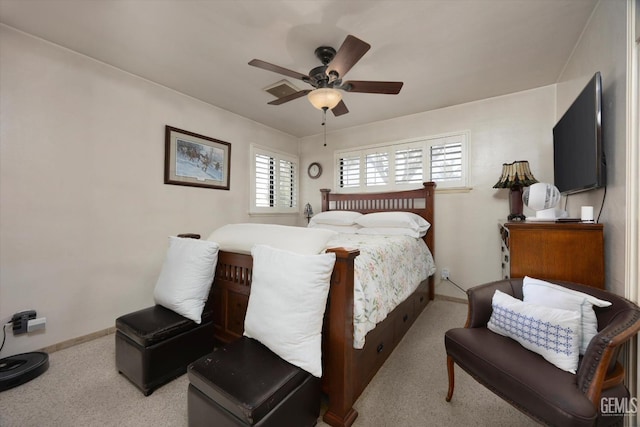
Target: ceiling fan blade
[340, 109]
[291, 97]
[363, 86]
[277, 69]
[350, 52]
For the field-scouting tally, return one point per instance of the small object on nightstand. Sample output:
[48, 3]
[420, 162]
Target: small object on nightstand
[315, 170]
[586, 214]
[308, 211]
[543, 198]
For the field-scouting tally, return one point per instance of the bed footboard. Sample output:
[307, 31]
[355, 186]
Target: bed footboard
[346, 371]
[230, 295]
[339, 373]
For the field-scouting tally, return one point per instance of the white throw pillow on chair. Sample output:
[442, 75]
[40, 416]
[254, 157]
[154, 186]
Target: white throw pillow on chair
[538, 291]
[186, 276]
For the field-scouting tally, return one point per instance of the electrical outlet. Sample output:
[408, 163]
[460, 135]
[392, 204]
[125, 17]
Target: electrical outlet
[444, 274]
[20, 320]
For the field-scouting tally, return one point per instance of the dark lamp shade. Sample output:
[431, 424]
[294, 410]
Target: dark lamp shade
[515, 174]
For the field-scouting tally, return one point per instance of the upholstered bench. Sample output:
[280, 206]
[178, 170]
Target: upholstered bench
[245, 384]
[155, 345]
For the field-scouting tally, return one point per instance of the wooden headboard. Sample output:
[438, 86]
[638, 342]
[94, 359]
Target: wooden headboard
[419, 201]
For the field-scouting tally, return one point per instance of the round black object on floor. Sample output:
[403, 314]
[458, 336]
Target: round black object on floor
[18, 369]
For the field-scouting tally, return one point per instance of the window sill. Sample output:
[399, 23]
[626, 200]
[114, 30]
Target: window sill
[273, 213]
[453, 190]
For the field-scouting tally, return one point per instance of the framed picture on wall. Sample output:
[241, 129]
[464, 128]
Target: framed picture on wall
[196, 160]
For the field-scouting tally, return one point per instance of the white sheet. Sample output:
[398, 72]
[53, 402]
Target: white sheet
[242, 237]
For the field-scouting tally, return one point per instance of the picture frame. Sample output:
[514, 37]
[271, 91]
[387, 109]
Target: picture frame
[196, 160]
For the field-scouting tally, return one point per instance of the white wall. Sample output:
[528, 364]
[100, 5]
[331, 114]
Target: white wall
[602, 47]
[502, 129]
[85, 214]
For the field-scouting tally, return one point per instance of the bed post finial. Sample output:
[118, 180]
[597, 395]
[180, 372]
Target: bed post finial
[430, 186]
[325, 198]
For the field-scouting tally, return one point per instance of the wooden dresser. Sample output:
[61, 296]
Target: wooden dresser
[550, 250]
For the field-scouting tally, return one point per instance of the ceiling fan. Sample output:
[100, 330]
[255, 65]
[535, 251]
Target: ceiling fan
[327, 78]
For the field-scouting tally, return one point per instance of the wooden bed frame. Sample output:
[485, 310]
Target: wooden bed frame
[347, 371]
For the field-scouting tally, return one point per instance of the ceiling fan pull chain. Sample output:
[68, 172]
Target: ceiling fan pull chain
[324, 124]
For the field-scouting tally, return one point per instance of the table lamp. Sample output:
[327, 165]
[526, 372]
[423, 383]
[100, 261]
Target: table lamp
[515, 176]
[308, 211]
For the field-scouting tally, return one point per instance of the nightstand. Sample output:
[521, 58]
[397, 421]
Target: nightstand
[553, 251]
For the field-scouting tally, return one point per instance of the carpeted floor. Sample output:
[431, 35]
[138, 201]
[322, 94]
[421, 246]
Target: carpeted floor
[83, 388]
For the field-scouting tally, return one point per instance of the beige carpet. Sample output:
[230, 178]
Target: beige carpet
[83, 388]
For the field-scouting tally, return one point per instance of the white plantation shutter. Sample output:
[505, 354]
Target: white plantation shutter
[274, 182]
[287, 184]
[446, 162]
[349, 172]
[404, 165]
[264, 181]
[408, 164]
[376, 169]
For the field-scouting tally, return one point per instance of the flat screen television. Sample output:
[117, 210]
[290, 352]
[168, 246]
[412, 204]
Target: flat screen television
[578, 156]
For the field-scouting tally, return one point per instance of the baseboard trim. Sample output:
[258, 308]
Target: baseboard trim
[452, 299]
[78, 340]
[98, 334]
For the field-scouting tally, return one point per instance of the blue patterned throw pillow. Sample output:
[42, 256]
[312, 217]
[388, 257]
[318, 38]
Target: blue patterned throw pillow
[553, 333]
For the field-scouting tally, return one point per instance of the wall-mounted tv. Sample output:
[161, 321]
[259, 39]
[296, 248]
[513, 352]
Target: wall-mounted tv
[578, 156]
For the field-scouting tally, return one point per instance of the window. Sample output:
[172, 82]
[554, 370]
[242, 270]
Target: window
[274, 182]
[349, 172]
[409, 166]
[447, 162]
[442, 159]
[376, 169]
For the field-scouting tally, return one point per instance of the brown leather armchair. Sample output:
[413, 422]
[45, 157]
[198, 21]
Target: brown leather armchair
[533, 385]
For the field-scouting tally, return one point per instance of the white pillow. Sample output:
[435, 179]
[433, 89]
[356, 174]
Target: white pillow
[550, 295]
[550, 332]
[347, 229]
[394, 219]
[335, 218]
[287, 302]
[186, 276]
[391, 231]
[242, 237]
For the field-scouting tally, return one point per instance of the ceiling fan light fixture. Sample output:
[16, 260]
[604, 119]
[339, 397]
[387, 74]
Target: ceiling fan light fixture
[327, 78]
[324, 98]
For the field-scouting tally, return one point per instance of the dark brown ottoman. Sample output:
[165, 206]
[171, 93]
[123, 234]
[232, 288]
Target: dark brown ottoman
[245, 384]
[155, 345]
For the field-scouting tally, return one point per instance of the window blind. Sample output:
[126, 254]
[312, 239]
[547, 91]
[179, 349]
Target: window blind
[376, 169]
[408, 163]
[446, 162]
[287, 184]
[265, 181]
[349, 171]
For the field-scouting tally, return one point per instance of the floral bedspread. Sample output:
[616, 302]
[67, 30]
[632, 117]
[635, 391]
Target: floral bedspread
[387, 271]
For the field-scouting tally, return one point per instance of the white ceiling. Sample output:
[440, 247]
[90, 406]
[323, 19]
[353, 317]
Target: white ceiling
[446, 52]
